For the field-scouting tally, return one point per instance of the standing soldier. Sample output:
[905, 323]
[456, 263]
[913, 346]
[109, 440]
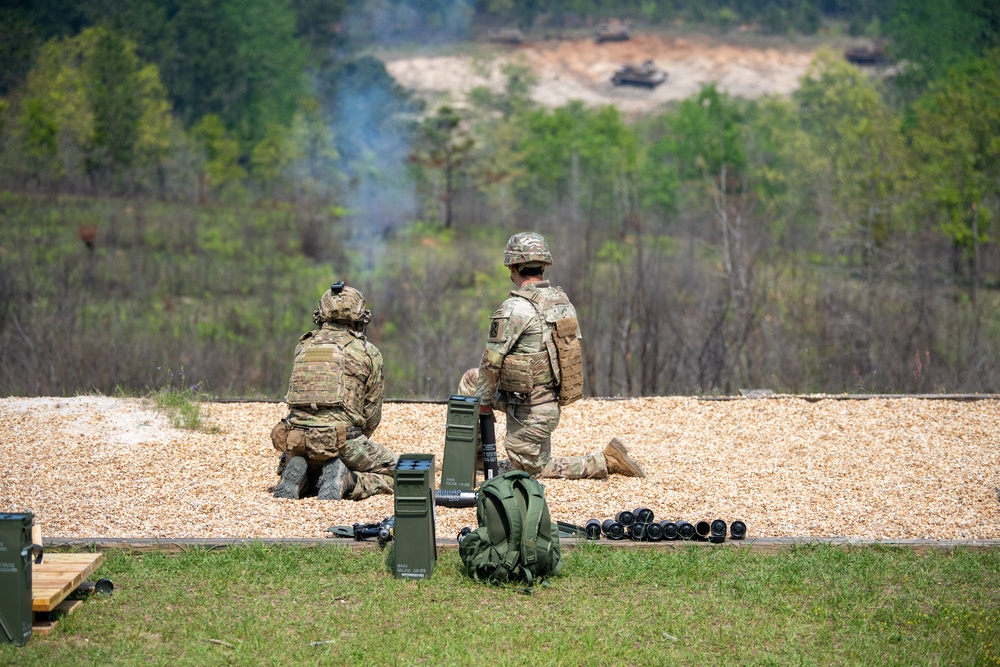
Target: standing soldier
[533, 365]
[335, 404]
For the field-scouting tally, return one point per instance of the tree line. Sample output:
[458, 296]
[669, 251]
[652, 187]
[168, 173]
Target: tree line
[183, 177]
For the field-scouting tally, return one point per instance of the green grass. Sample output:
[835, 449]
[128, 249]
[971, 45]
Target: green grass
[182, 407]
[261, 605]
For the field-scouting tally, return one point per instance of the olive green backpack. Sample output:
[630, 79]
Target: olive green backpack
[516, 539]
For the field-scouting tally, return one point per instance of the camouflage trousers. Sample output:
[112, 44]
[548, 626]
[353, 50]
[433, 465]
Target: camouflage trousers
[372, 464]
[529, 445]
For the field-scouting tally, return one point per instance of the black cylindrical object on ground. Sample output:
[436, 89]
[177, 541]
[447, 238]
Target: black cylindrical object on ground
[685, 530]
[636, 531]
[593, 529]
[625, 518]
[717, 531]
[612, 529]
[737, 530]
[99, 587]
[643, 515]
[702, 530]
[654, 532]
[488, 434]
[669, 530]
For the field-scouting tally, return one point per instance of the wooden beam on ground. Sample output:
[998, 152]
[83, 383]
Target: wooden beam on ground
[760, 544]
[58, 575]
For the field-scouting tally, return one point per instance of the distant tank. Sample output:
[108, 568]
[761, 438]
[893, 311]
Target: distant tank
[505, 36]
[646, 75]
[613, 31]
[873, 54]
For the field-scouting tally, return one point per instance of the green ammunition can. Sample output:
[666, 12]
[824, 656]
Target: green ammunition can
[15, 578]
[458, 470]
[415, 550]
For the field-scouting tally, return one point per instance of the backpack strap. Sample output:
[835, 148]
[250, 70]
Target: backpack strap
[535, 504]
[505, 497]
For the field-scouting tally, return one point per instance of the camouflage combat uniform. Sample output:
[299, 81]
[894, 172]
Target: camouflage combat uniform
[335, 404]
[516, 328]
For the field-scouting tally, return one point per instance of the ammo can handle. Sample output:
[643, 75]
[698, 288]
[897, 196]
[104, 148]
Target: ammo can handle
[36, 537]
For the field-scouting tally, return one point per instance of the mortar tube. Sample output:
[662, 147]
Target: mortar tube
[452, 498]
[612, 529]
[702, 529]
[593, 529]
[625, 518]
[488, 434]
[654, 532]
[685, 530]
[637, 532]
[737, 530]
[643, 514]
[718, 532]
[669, 530]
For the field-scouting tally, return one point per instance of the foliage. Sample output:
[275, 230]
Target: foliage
[842, 239]
[181, 403]
[90, 106]
[955, 137]
[222, 168]
[812, 605]
[843, 113]
[930, 37]
[515, 97]
[444, 145]
[247, 60]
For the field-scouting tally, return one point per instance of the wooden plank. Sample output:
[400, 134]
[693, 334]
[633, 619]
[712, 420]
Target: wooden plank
[58, 575]
[145, 545]
[57, 559]
[46, 622]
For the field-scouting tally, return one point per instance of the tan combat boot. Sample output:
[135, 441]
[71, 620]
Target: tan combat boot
[619, 462]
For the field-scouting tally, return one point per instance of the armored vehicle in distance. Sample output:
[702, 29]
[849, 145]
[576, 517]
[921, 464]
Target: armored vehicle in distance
[613, 31]
[873, 54]
[505, 36]
[646, 75]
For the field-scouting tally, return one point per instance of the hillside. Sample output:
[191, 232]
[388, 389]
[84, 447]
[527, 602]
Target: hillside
[581, 69]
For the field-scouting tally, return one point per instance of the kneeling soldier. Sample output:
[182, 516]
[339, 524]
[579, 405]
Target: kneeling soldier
[532, 366]
[335, 404]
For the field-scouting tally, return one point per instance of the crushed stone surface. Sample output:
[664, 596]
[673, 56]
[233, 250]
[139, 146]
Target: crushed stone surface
[880, 468]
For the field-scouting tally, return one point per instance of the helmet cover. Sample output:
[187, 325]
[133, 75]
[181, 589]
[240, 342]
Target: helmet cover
[527, 248]
[343, 304]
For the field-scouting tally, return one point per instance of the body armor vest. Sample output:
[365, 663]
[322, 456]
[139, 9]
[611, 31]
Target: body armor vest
[560, 363]
[326, 372]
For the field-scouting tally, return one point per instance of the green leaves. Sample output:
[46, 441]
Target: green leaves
[238, 60]
[91, 106]
[954, 138]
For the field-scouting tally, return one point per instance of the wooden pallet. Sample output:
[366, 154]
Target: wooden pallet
[52, 581]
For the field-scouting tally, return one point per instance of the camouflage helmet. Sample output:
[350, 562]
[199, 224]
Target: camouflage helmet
[342, 304]
[527, 248]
